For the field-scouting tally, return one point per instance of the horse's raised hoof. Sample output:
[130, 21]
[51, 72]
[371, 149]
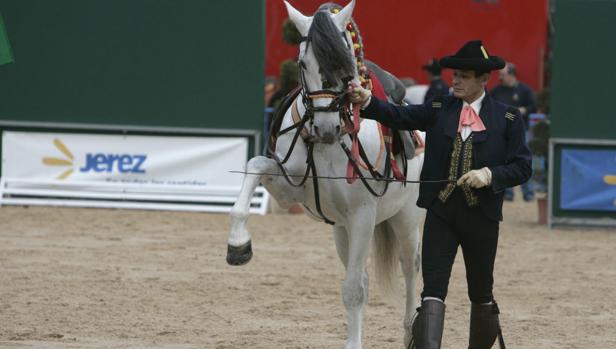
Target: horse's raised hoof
[239, 255]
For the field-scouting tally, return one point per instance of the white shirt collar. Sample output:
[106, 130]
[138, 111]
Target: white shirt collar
[476, 105]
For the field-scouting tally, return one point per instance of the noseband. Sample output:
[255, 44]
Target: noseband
[339, 100]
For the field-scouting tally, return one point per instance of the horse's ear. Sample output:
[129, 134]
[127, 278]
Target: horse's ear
[343, 17]
[302, 23]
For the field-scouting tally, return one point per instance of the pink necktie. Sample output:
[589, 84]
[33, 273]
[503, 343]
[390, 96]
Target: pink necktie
[468, 117]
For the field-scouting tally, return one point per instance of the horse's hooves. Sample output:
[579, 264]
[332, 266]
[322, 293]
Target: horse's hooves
[239, 255]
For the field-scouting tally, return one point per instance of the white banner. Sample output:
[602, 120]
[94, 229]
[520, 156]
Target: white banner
[192, 161]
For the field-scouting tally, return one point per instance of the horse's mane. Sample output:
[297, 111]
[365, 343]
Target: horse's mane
[329, 6]
[333, 56]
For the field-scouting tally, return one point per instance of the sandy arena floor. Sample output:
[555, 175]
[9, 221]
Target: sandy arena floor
[88, 278]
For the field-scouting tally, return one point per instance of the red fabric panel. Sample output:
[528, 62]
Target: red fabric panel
[401, 35]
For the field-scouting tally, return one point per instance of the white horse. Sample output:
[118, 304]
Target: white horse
[327, 62]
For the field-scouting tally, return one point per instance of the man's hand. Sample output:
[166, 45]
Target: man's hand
[477, 178]
[359, 95]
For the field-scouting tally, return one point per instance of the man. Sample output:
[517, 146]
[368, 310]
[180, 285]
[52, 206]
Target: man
[438, 87]
[477, 144]
[513, 92]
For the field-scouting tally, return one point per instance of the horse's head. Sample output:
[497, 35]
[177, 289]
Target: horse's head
[327, 64]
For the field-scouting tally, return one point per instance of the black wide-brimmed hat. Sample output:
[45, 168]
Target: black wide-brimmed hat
[473, 56]
[433, 66]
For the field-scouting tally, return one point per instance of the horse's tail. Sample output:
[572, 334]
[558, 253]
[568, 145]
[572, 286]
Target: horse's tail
[386, 253]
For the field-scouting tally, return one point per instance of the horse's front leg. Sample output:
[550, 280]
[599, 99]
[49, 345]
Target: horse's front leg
[239, 249]
[355, 287]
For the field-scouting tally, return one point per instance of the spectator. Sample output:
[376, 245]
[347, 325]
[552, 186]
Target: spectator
[288, 80]
[438, 87]
[513, 92]
[269, 89]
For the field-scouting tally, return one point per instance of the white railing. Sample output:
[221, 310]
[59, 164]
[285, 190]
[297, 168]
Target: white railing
[15, 191]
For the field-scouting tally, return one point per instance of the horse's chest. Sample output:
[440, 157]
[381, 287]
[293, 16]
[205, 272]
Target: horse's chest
[331, 198]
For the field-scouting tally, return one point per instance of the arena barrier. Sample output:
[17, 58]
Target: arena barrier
[126, 167]
[15, 191]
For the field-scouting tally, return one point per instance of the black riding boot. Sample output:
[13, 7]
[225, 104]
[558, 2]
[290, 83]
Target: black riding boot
[485, 326]
[428, 325]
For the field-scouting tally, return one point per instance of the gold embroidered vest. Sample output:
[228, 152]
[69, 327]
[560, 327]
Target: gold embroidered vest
[461, 161]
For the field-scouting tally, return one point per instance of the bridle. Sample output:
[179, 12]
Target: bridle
[340, 102]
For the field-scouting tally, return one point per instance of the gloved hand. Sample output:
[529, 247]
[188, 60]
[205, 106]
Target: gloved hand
[358, 94]
[477, 178]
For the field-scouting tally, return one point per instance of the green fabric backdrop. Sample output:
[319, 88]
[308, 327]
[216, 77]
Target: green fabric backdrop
[179, 63]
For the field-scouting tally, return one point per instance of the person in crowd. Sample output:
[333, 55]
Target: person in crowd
[287, 81]
[269, 88]
[475, 148]
[437, 87]
[513, 92]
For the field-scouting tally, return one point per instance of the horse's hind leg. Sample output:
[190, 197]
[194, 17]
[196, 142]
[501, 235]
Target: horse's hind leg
[406, 225]
[239, 249]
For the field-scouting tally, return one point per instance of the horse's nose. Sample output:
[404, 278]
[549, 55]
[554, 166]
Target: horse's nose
[316, 130]
[328, 138]
[326, 134]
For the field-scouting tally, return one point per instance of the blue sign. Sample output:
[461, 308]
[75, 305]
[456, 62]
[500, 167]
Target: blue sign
[588, 180]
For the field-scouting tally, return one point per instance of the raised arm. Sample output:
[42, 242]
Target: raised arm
[411, 117]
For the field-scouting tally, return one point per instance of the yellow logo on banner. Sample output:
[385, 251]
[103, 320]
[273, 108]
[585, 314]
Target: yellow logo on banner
[68, 161]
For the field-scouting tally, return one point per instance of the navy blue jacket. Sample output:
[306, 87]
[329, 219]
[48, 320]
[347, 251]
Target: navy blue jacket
[437, 87]
[519, 95]
[501, 147]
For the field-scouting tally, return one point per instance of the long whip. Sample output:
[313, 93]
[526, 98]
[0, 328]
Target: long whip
[346, 178]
